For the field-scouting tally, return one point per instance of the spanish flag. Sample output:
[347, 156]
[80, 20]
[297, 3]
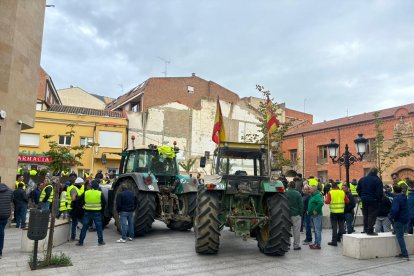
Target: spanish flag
[219, 133]
[272, 122]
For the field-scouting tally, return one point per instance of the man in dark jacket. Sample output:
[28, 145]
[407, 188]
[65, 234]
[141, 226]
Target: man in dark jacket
[383, 223]
[126, 203]
[296, 211]
[20, 200]
[35, 195]
[306, 216]
[399, 215]
[349, 209]
[370, 190]
[5, 211]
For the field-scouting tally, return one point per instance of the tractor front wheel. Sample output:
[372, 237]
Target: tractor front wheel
[207, 223]
[187, 205]
[274, 237]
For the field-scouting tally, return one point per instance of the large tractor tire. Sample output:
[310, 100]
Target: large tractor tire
[274, 237]
[144, 213]
[207, 223]
[187, 204]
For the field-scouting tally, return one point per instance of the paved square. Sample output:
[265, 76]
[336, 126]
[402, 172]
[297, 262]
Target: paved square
[167, 252]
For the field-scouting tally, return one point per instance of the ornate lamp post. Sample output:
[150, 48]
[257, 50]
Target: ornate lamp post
[347, 158]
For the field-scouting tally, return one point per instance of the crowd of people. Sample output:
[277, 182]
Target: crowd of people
[385, 208]
[79, 199]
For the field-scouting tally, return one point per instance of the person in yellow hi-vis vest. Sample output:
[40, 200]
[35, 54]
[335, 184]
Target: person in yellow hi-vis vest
[76, 214]
[399, 182]
[63, 210]
[46, 196]
[336, 199]
[20, 180]
[94, 204]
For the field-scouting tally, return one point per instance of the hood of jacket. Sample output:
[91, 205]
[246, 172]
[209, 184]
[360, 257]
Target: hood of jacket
[3, 188]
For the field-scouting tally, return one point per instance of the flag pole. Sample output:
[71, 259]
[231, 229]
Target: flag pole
[269, 153]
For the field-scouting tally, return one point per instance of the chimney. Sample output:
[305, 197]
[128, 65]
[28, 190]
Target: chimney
[193, 74]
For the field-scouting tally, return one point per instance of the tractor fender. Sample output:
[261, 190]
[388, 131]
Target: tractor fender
[273, 186]
[139, 179]
[186, 184]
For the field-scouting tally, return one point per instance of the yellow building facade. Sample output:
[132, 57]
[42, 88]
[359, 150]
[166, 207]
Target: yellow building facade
[106, 128]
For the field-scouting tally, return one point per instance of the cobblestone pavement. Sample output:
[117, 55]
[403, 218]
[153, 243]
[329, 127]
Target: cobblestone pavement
[166, 252]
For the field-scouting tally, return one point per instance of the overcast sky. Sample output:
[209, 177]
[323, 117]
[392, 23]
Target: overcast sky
[327, 57]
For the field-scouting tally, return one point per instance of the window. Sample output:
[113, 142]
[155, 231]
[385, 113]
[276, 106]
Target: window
[323, 176]
[366, 171]
[136, 107]
[110, 139]
[29, 139]
[129, 168]
[190, 89]
[39, 106]
[322, 154]
[293, 157]
[64, 140]
[369, 153]
[85, 141]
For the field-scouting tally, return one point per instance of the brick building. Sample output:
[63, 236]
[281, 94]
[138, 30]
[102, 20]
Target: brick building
[182, 109]
[307, 150]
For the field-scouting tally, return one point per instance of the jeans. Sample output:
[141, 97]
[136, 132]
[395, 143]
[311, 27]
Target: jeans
[349, 219]
[45, 205]
[308, 227]
[96, 217]
[74, 224]
[3, 223]
[127, 217]
[370, 212]
[21, 212]
[382, 224]
[399, 232]
[317, 223]
[337, 219]
[296, 230]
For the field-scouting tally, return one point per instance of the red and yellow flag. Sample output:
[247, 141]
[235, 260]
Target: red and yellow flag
[272, 122]
[219, 133]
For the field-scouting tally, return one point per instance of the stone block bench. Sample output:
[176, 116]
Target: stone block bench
[362, 246]
[60, 236]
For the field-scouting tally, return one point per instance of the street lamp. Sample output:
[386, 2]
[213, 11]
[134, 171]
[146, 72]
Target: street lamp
[347, 158]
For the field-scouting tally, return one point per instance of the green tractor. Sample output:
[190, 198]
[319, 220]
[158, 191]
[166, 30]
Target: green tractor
[163, 194]
[241, 196]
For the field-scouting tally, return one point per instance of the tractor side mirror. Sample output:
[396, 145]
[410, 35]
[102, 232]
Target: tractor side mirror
[203, 162]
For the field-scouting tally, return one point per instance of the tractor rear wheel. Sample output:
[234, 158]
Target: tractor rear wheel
[274, 237]
[144, 213]
[206, 222]
[187, 205]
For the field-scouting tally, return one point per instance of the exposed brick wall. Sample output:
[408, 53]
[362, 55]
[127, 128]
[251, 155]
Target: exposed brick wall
[161, 91]
[299, 115]
[346, 135]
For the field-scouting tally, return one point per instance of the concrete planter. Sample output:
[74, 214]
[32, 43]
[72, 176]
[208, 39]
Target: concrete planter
[60, 236]
[362, 246]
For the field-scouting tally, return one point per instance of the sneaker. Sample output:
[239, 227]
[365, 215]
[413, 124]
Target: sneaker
[121, 241]
[332, 243]
[101, 243]
[79, 244]
[314, 246]
[305, 242]
[130, 239]
[297, 248]
[403, 257]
